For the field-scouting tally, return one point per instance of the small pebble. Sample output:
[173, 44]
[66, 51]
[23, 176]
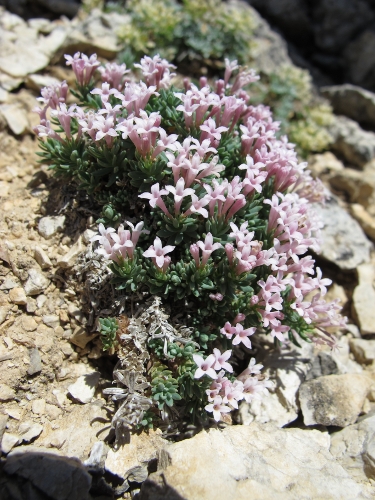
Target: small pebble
[17, 296]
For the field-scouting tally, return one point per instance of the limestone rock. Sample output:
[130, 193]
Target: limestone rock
[51, 320]
[343, 241]
[37, 82]
[68, 260]
[287, 369]
[84, 388]
[351, 142]
[36, 282]
[17, 296]
[35, 365]
[8, 442]
[364, 299]
[49, 226]
[29, 324]
[15, 117]
[81, 338]
[333, 399]
[357, 186]
[353, 448]
[29, 430]
[366, 221]
[141, 449]
[58, 477]
[352, 101]
[363, 350]
[6, 393]
[42, 258]
[250, 462]
[325, 163]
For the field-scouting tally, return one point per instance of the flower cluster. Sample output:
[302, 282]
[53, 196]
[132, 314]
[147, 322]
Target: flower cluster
[218, 219]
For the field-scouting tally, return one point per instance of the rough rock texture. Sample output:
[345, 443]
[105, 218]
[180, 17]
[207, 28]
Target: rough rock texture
[351, 142]
[354, 448]
[352, 101]
[60, 478]
[366, 221]
[343, 241]
[287, 369]
[84, 387]
[355, 184]
[333, 399]
[364, 299]
[141, 449]
[363, 350]
[257, 461]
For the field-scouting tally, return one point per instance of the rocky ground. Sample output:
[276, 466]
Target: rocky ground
[312, 438]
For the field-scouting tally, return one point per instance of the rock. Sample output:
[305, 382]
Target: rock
[355, 184]
[366, 221]
[4, 95]
[15, 117]
[36, 282]
[287, 368]
[52, 411]
[37, 82]
[98, 455]
[29, 324]
[17, 296]
[78, 430]
[68, 260]
[351, 142]
[51, 320]
[3, 424]
[29, 431]
[325, 163]
[6, 393]
[35, 362]
[8, 442]
[49, 226]
[363, 350]
[3, 313]
[333, 399]
[342, 240]
[353, 448]
[352, 101]
[87, 235]
[84, 388]
[323, 364]
[58, 477]
[42, 258]
[359, 59]
[81, 338]
[141, 449]
[4, 188]
[38, 406]
[250, 462]
[363, 300]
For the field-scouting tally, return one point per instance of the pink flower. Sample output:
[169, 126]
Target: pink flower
[157, 252]
[83, 66]
[155, 198]
[113, 73]
[242, 335]
[105, 92]
[221, 360]
[179, 194]
[217, 408]
[205, 366]
[207, 248]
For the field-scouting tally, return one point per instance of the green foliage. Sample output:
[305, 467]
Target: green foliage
[108, 329]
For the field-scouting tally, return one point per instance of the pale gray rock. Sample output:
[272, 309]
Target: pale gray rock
[37, 82]
[363, 350]
[35, 365]
[51, 320]
[8, 442]
[354, 448]
[81, 338]
[251, 462]
[352, 101]
[49, 226]
[343, 241]
[333, 399]
[28, 431]
[359, 186]
[16, 118]
[98, 455]
[17, 296]
[42, 258]
[6, 393]
[36, 282]
[3, 424]
[351, 142]
[84, 388]
[364, 299]
[68, 260]
[287, 368]
[58, 477]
